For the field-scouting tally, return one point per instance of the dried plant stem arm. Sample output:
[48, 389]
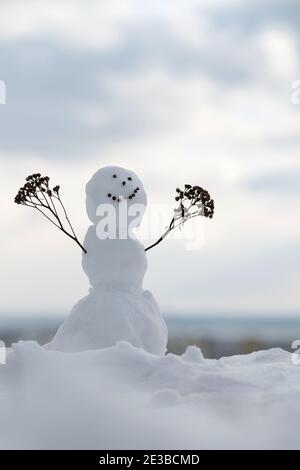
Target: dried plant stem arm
[47, 217]
[60, 227]
[74, 237]
[44, 198]
[180, 211]
[170, 228]
[48, 207]
[52, 209]
[75, 240]
[37, 193]
[66, 216]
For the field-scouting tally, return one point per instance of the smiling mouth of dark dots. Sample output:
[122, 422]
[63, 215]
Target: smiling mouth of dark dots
[122, 198]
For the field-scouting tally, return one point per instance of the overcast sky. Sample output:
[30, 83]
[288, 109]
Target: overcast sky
[178, 91]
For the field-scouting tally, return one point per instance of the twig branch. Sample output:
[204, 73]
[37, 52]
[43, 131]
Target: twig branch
[37, 189]
[192, 197]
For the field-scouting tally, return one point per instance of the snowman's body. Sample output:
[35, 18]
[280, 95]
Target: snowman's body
[116, 308]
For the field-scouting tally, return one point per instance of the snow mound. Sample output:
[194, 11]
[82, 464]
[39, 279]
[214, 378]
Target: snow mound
[126, 398]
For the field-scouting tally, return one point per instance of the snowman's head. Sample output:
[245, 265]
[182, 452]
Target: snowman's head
[118, 188]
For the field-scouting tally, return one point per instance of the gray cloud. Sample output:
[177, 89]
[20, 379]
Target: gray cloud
[48, 83]
[277, 182]
[51, 84]
[250, 17]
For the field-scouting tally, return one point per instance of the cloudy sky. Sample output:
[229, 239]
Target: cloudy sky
[178, 91]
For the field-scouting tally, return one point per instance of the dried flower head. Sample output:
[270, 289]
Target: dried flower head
[194, 201]
[37, 193]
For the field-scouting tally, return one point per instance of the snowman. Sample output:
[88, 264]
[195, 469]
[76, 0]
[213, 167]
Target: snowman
[116, 308]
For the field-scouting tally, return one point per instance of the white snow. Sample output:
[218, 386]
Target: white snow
[124, 397]
[117, 307]
[104, 381]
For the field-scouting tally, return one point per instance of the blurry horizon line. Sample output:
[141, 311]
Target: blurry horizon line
[168, 313]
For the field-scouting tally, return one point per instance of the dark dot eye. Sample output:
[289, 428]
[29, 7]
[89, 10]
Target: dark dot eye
[109, 195]
[114, 198]
[129, 178]
[114, 176]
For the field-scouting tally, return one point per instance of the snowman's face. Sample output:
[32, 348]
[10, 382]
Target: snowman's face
[116, 186]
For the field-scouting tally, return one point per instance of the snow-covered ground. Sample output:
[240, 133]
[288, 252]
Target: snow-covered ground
[124, 397]
[104, 381]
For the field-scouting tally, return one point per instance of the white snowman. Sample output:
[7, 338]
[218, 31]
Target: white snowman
[116, 308]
